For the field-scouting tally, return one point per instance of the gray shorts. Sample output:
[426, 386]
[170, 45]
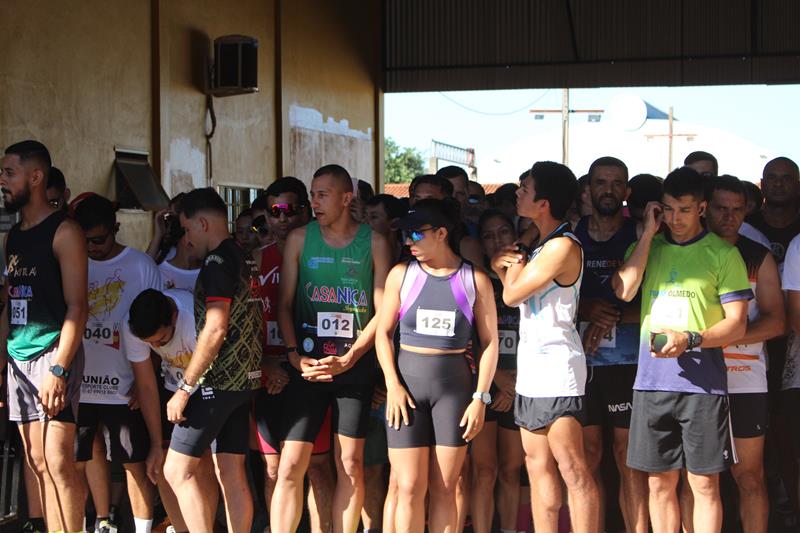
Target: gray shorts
[25, 378]
[673, 430]
[534, 414]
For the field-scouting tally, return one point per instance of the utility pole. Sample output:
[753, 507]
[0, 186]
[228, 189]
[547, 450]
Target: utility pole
[565, 127]
[670, 136]
[565, 112]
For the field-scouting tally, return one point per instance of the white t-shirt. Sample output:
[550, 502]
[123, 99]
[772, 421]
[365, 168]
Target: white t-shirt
[749, 231]
[791, 282]
[178, 278]
[113, 285]
[176, 354]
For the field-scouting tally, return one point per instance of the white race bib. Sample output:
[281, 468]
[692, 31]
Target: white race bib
[437, 323]
[335, 325]
[755, 349]
[609, 340]
[273, 334]
[508, 341]
[671, 312]
[99, 332]
[19, 312]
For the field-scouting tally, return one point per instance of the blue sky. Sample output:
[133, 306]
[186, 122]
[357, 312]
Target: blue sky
[768, 115]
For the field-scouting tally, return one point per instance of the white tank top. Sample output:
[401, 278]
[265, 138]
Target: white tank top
[550, 358]
[747, 368]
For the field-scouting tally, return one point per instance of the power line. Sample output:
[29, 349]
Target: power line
[487, 113]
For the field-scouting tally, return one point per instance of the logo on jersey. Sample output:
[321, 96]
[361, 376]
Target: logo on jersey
[214, 258]
[337, 295]
[314, 262]
[20, 291]
[673, 275]
[103, 298]
[13, 268]
[273, 277]
[329, 348]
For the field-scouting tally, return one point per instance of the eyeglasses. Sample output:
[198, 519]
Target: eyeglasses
[99, 240]
[260, 225]
[415, 235]
[287, 209]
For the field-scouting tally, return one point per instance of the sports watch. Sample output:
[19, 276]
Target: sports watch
[59, 371]
[188, 389]
[484, 397]
[695, 339]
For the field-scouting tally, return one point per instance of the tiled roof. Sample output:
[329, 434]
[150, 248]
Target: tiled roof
[401, 189]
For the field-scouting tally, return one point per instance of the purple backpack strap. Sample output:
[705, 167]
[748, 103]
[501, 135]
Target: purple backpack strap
[458, 284]
[413, 282]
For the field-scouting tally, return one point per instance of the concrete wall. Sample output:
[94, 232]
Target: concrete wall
[84, 77]
[329, 53]
[243, 147]
[76, 75]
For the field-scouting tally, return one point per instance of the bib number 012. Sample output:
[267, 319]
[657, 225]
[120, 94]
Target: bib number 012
[335, 325]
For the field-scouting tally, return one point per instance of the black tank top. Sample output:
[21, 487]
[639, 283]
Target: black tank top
[602, 259]
[36, 307]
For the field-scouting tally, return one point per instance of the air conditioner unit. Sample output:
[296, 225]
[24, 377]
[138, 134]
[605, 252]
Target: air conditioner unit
[234, 66]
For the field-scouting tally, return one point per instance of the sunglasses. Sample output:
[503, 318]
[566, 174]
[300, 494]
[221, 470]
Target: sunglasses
[260, 225]
[415, 235]
[287, 209]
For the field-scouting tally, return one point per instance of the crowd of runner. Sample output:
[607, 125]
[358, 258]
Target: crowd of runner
[441, 361]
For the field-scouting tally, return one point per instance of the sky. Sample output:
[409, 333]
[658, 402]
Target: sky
[489, 121]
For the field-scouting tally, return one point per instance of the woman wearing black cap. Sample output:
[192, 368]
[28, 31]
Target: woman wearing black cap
[432, 409]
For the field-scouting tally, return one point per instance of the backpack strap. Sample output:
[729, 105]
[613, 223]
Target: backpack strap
[413, 282]
[462, 283]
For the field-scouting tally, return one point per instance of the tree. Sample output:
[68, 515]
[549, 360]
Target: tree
[401, 164]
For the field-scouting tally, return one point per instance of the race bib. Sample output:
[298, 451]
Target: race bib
[671, 312]
[753, 351]
[437, 323]
[273, 334]
[508, 341]
[99, 332]
[609, 340]
[335, 325]
[19, 312]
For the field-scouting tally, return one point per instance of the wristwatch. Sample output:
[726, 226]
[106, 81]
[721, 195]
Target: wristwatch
[59, 371]
[188, 389]
[695, 339]
[485, 397]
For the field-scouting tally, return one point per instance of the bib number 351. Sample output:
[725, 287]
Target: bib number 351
[19, 312]
[335, 325]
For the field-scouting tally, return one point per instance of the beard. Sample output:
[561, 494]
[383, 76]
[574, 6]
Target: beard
[18, 201]
[604, 209]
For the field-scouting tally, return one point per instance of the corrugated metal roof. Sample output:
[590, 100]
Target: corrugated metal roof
[502, 44]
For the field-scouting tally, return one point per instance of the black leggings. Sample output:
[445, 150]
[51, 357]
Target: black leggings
[441, 386]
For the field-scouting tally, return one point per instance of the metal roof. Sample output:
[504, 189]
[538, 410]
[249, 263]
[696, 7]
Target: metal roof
[437, 45]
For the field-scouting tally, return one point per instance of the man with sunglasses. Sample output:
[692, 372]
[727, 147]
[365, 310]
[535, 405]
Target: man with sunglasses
[332, 281]
[108, 401]
[276, 213]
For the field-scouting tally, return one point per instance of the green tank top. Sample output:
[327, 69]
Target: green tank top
[334, 297]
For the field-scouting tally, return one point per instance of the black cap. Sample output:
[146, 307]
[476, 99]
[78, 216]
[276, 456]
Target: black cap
[419, 217]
